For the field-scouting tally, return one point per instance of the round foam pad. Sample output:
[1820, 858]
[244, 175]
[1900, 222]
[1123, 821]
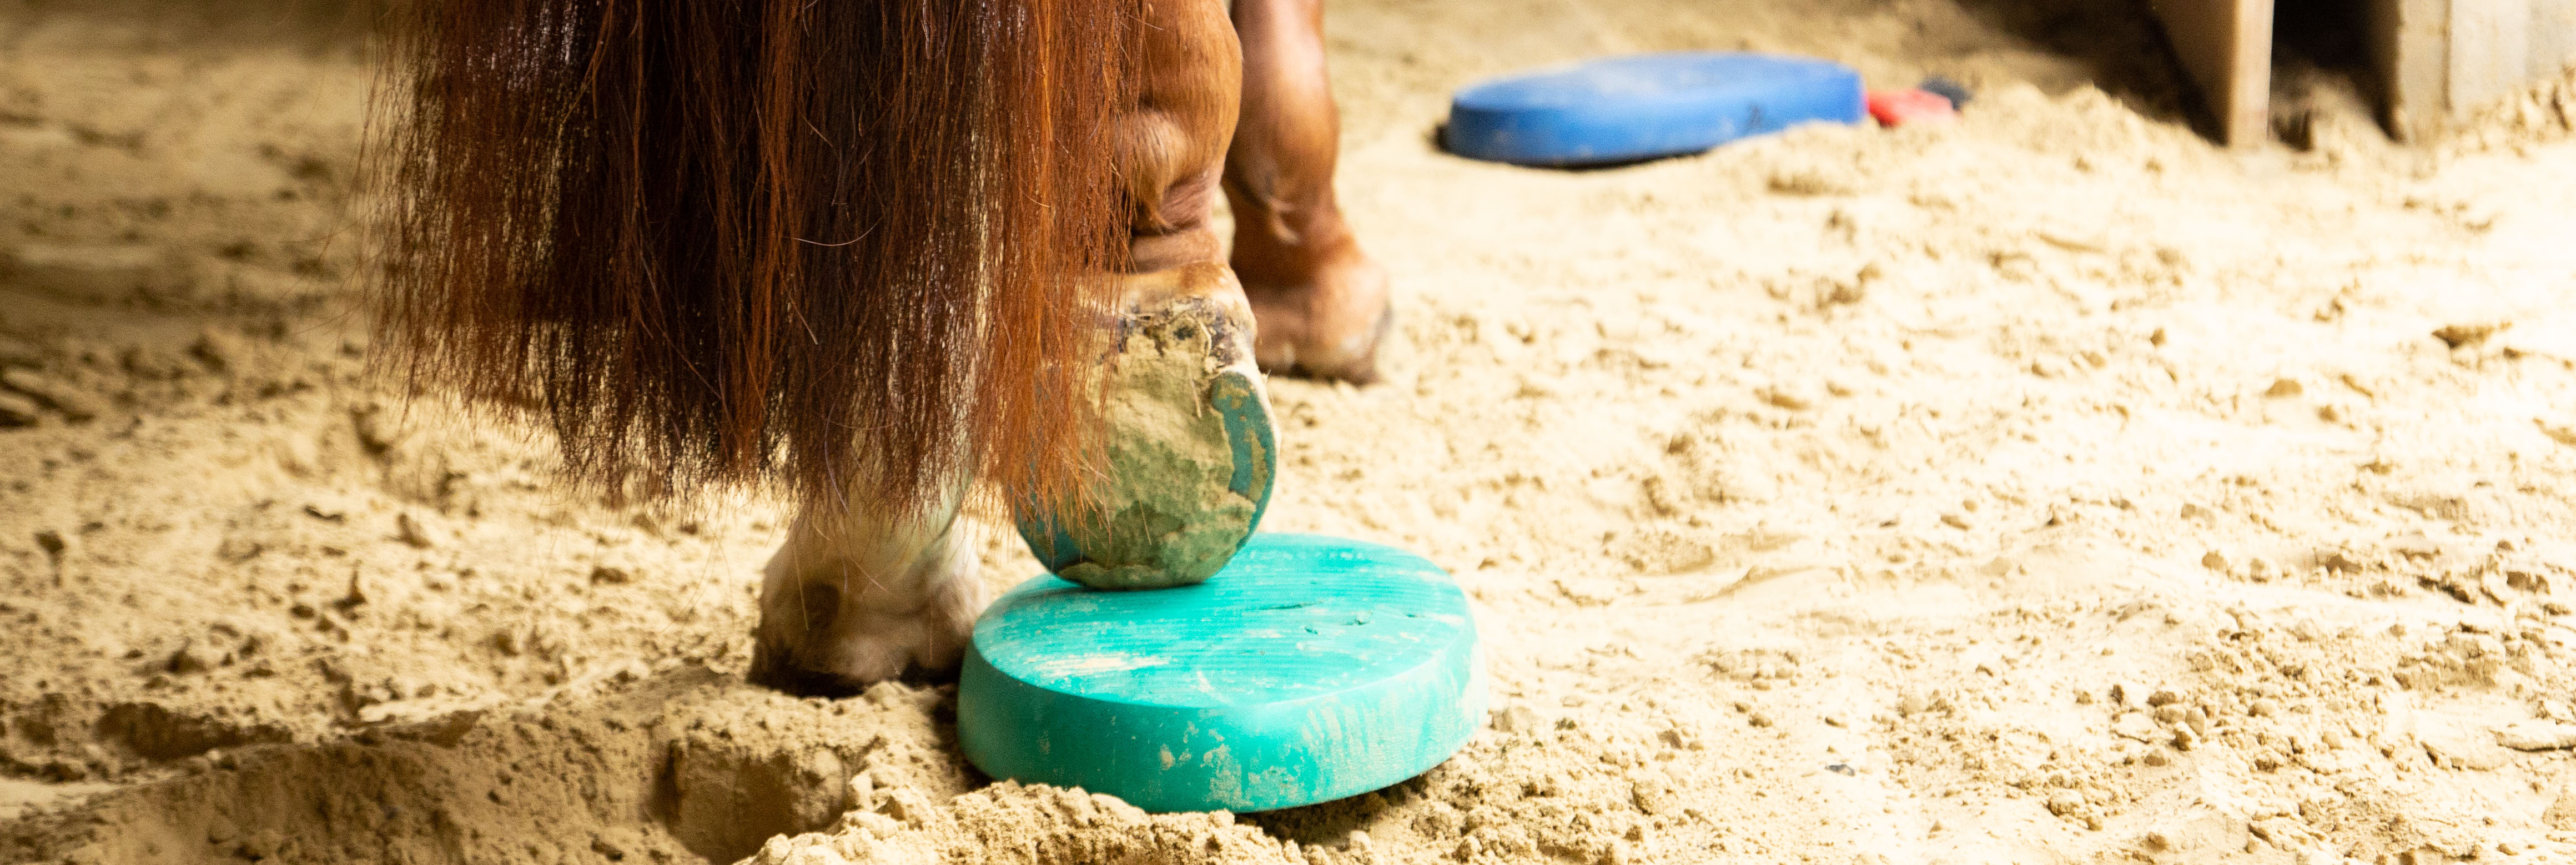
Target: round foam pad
[1625, 109]
[1309, 669]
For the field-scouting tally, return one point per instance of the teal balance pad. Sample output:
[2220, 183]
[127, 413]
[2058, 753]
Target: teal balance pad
[1309, 669]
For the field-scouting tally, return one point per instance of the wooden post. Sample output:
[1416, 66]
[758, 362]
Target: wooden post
[2226, 46]
[2490, 50]
[2440, 59]
[2553, 37]
[2410, 48]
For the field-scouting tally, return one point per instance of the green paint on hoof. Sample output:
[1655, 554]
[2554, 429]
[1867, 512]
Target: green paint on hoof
[1191, 458]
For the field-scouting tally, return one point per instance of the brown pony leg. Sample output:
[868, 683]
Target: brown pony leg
[1321, 302]
[1169, 512]
[1172, 141]
[857, 596]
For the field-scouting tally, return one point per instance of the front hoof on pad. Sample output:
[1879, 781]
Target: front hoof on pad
[1191, 449]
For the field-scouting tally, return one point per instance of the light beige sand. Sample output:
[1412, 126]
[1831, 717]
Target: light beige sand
[2050, 487]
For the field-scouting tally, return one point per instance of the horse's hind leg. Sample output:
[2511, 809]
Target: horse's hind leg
[1322, 304]
[1190, 458]
[861, 594]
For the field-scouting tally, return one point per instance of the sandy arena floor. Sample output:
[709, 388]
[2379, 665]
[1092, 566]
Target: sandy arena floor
[2052, 487]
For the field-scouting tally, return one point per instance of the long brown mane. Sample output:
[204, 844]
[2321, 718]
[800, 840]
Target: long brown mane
[847, 244]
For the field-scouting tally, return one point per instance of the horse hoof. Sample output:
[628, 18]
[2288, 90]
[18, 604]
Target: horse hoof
[834, 621]
[1329, 328]
[1191, 449]
[1353, 359]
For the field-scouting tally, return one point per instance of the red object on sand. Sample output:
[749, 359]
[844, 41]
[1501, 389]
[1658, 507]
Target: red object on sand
[1910, 105]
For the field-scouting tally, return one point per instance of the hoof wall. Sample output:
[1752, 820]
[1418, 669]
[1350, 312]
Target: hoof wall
[1191, 453]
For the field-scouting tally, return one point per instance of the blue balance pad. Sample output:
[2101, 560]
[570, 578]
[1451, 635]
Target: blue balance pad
[1625, 109]
[1311, 668]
